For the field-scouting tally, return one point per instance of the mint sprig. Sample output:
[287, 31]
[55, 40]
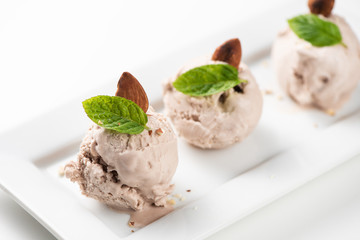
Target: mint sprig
[207, 80]
[116, 113]
[318, 32]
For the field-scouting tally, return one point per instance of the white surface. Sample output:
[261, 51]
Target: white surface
[88, 56]
[326, 208]
[203, 213]
[258, 187]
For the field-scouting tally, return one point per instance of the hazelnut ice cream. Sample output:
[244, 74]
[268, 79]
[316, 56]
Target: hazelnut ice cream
[218, 120]
[130, 172]
[127, 171]
[321, 77]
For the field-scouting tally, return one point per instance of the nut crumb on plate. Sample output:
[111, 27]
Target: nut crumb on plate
[268, 92]
[61, 171]
[330, 112]
[178, 196]
[171, 202]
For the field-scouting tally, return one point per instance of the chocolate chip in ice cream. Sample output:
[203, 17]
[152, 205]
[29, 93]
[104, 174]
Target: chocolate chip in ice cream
[238, 89]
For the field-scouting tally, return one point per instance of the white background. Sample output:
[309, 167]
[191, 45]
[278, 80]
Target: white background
[54, 51]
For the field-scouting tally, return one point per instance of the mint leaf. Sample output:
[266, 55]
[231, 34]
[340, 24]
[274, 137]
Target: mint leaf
[318, 32]
[207, 80]
[116, 113]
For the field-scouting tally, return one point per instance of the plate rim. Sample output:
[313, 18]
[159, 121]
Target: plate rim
[25, 161]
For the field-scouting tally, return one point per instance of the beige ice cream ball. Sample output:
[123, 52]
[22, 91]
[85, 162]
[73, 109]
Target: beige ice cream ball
[127, 171]
[215, 121]
[321, 77]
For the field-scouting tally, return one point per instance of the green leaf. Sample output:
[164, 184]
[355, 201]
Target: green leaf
[116, 113]
[318, 32]
[207, 80]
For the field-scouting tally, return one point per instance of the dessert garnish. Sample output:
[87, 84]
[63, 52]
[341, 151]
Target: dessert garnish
[318, 32]
[125, 112]
[214, 78]
[229, 52]
[323, 7]
[130, 88]
[313, 29]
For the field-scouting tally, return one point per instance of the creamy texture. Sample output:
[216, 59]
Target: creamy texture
[128, 172]
[215, 121]
[322, 77]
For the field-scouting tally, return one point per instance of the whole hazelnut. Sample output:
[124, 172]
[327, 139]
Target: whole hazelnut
[323, 7]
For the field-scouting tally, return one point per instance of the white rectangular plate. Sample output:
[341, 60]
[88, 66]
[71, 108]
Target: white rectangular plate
[290, 146]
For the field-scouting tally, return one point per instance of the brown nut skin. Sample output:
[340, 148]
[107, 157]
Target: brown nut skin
[229, 52]
[130, 88]
[323, 7]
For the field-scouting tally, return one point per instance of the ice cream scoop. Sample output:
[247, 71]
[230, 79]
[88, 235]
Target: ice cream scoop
[221, 119]
[131, 173]
[321, 77]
